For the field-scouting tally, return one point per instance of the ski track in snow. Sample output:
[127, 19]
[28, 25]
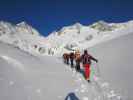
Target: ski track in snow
[103, 88]
[79, 80]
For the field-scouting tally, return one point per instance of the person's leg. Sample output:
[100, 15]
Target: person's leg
[71, 63]
[78, 66]
[67, 61]
[87, 71]
[84, 71]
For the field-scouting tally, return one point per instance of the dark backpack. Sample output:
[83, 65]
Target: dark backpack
[71, 55]
[86, 59]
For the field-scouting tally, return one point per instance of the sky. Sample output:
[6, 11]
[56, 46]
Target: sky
[51, 15]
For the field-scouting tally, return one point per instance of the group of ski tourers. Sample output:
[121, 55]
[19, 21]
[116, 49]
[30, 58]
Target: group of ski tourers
[85, 59]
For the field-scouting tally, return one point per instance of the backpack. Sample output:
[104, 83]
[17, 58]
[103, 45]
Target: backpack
[86, 59]
[71, 55]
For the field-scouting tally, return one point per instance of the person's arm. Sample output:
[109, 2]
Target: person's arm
[94, 59]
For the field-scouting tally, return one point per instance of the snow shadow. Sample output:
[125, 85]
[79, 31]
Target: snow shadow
[71, 96]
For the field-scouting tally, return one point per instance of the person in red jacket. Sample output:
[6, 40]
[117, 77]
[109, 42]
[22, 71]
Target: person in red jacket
[86, 60]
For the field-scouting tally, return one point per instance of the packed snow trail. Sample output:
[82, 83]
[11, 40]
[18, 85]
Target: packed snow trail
[104, 90]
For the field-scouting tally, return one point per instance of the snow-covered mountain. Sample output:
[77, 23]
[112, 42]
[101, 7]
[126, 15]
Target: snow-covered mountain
[80, 37]
[67, 39]
[24, 37]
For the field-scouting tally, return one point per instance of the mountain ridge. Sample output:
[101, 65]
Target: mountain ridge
[67, 39]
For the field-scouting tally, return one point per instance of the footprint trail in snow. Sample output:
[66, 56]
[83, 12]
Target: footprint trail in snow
[101, 89]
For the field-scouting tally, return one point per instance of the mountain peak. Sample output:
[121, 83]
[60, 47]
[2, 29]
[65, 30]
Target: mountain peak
[102, 22]
[25, 27]
[77, 24]
[101, 26]
[22, 23]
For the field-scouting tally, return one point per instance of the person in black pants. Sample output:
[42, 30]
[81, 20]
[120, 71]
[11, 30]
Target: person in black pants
[77, 60]
[72, 59]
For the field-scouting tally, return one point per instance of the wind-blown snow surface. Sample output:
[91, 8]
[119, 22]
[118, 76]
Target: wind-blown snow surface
[116, 65]
[27, 77]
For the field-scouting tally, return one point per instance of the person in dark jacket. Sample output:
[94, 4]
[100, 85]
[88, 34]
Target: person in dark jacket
[71, 55]
[86, 60]
[66, 58]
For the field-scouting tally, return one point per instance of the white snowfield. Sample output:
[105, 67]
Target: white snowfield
[116, 64]
[26, 77]
[27, 72]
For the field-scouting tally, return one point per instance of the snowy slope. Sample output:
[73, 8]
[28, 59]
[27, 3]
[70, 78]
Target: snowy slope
[116, 65]
[27, 77]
